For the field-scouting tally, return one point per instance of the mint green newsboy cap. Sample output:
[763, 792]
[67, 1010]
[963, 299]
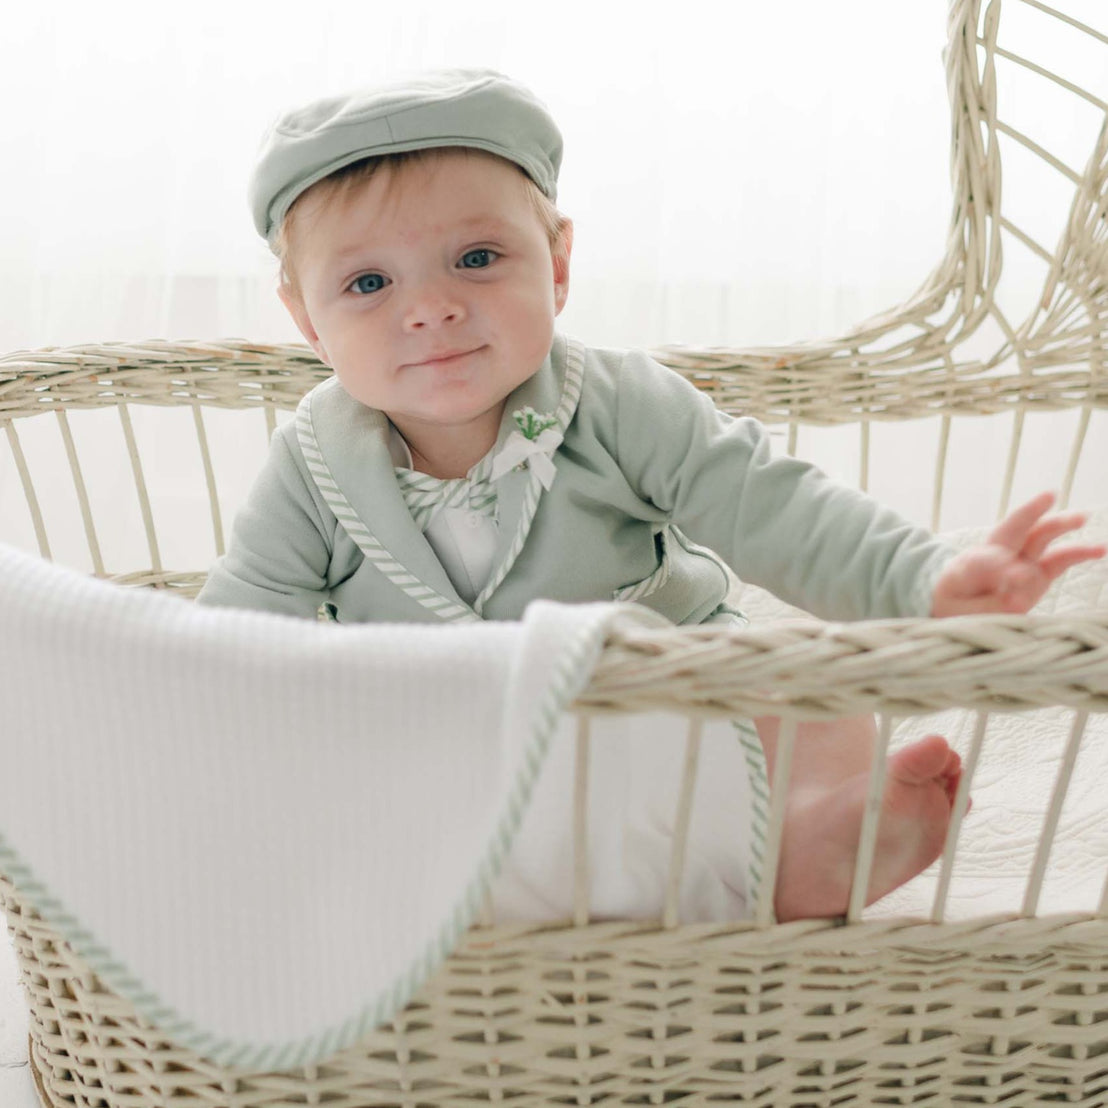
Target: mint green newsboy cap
[449, 107]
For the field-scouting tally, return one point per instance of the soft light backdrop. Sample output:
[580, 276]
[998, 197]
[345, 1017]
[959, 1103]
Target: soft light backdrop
[738, 173]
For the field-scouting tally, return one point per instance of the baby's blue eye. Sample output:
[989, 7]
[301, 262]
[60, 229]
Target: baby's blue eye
[368, 282]
[477, 259]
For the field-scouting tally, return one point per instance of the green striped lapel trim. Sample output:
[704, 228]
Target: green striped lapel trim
[375, 553]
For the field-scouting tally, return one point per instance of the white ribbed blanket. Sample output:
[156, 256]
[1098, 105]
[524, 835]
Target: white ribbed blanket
[266, 832]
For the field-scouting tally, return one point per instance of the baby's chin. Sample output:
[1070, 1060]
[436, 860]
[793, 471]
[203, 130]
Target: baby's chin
[450, 404]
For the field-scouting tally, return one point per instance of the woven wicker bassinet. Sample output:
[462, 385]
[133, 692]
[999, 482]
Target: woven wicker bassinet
[991, 1010]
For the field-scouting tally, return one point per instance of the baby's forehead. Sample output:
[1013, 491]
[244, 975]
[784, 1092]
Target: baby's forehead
[449, 163]
[453, 188]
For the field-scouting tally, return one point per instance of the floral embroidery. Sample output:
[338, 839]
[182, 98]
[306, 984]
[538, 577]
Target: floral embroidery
[530, 447]
[532, 424]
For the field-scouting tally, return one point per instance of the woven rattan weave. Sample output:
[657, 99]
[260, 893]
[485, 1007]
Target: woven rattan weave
[1006, 1009]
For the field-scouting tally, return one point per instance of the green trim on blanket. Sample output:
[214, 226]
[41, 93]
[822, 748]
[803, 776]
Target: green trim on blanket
[569, 677]
[759, 808]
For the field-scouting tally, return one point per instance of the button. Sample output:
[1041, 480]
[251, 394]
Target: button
[474, 519]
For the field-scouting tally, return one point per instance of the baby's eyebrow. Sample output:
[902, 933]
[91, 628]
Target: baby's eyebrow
[489, 223]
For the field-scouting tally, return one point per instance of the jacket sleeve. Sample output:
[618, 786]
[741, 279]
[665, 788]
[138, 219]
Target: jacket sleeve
[279, 553]
[780, 523]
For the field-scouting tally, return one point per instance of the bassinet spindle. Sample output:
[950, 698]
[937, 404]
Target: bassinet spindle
[991, 1008]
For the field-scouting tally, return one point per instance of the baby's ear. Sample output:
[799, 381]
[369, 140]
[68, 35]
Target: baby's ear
[565, 246]
[561, 255]
[294, 302]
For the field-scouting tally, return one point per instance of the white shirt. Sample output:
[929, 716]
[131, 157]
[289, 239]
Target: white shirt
[463, 541]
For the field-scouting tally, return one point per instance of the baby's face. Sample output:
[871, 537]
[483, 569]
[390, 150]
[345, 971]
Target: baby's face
[434, 300]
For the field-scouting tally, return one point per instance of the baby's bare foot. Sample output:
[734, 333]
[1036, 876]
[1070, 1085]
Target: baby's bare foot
[822, 830]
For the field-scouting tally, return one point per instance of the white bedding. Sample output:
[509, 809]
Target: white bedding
[1014, 780]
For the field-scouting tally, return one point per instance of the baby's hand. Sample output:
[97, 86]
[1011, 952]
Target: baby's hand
[1012, 569]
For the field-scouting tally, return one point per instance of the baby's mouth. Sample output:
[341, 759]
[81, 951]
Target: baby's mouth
[445, 359]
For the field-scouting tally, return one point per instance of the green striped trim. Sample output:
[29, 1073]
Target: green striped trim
[530, 503]
[655, 581]
[759, 806]
[425, 494]
[374, 552]
[570, 674]
[571, 394]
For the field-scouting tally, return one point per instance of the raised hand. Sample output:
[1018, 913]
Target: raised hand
[1013, 568]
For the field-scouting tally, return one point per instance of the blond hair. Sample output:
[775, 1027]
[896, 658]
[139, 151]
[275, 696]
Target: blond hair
[339, 185]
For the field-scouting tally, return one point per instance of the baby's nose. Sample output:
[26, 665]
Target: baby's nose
[431, 306]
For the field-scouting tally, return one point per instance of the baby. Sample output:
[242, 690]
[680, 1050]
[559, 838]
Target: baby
[466, 459]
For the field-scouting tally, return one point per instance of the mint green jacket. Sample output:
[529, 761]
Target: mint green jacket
[654, 490]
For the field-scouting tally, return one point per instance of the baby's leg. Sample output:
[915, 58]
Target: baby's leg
[825, 803]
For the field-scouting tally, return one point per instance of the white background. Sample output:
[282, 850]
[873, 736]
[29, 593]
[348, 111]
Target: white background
[738, 174]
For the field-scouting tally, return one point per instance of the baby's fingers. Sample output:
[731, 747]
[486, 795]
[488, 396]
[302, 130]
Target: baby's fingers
[1057, 562]
[1044, 533]
[1012, 531]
